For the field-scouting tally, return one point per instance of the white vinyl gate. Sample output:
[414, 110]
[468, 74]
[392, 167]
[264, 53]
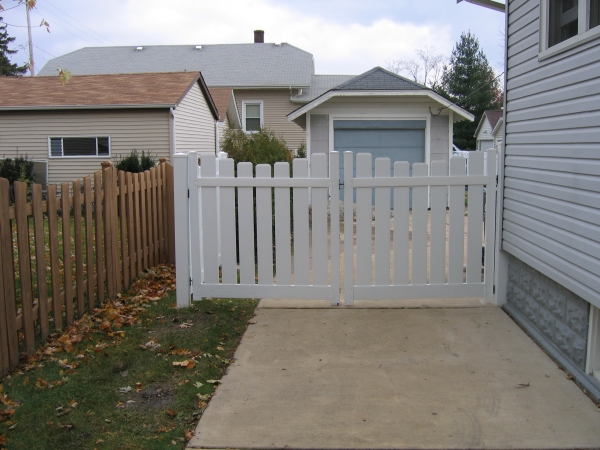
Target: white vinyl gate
[263, 236]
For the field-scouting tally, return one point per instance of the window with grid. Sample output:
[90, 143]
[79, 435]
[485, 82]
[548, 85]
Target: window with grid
[79, 146]
[253, 116]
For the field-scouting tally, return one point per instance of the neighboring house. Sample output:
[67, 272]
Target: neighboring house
[498, 134]
[549, 262]
[485, 130]
[90, 119]
[229, 117]
[381, 113]
[264, 76]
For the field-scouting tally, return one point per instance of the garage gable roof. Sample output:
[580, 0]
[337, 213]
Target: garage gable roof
[380, 82]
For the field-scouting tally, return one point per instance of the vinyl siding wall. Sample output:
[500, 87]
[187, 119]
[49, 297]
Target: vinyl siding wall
[194, 124]
[552, 165]
[276, 107]
[485, 133]
[26, 133]
[392, 108]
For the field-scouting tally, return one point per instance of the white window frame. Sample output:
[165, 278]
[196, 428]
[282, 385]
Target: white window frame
[584, 34]
[252, 102]
[81, 156]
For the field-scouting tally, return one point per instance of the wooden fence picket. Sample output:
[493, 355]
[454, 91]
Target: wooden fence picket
[118, 244]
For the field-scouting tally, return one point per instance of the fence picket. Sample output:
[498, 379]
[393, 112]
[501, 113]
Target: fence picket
[401, 225]
[154, 189]
[334, 193]
[228, 234]
[210, 237]
[475, 220]
[301, 243]
[348, 228]
[114, 200]
[382, 224]
[124, 228]
[79, 288]
[65, 202]
[283, 255]
[89, 241]
[320, 247]
[437, 251]
[364, 263]
[6, 277]
[54, 258]
[264, 228]
[246, 226]
[419, 227]
[143, 220]
[20, 190]
[160, 212]
[456, 226]
[8, 274]
[139, 253]
[129, 218]
[40, 259]
[149, 217]
[100, 242]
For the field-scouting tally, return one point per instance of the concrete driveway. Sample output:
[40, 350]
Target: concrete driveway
[352, 377]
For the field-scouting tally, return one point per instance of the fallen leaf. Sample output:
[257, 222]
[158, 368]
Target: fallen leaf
[213, 381]
[204, 398]
[99, 441]
[189, 434]
[125, 390]
[522, 385]
[171, 412]
[188, 364]
[186, 325]
[221, 349]
[198, 384]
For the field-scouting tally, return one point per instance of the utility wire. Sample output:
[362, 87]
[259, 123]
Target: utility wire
[39, 48]
[67, 23]
[69, 27]
[72, 18]
[12, 7]
[69, 31]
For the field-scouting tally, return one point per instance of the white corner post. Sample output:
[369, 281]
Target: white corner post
[195, 225]
[182, 229]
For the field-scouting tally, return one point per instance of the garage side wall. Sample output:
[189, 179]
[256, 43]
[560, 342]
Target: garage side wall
[319, 133]
[440, 139]
[194, 124]
[27, 133]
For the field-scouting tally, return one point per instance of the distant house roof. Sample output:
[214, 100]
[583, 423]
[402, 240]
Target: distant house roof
[100, 91]
[232, 65]
[380, 82]
[492, 116]
[320, 84]
[224, 99]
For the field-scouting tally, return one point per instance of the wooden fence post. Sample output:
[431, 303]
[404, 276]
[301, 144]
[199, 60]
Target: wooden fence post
[8, 307]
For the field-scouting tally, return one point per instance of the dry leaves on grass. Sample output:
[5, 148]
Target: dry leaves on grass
[188, 363]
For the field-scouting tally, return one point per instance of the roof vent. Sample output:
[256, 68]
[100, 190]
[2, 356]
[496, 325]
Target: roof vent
[277, 44]
[198, 47]
[139, 49]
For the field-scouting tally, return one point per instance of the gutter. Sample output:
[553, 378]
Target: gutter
[490, 4]
[172, 129]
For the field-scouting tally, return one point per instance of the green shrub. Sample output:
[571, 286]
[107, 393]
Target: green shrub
[262, 147]
[134, 162]
[301, 152]
[18, 169]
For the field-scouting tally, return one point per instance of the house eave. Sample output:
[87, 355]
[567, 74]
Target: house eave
[88, 107]
[416, 93]
[498, 125]
[270, 86]
[490, 4]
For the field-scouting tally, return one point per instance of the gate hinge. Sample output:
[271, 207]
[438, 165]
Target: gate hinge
[190, 281]
[340, 184]
[494, 289]
[188, 193]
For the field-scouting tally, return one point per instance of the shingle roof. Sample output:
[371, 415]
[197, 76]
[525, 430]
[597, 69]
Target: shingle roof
[96, 90]
[319, 85]
[221, 97]
[221, 65]
[379, 79]
[493, 116]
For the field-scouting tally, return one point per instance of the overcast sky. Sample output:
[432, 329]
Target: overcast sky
[345, 36]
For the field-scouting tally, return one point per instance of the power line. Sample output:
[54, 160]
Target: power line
[69, 31]
[72, 18]
[57, 20]
[39, 48]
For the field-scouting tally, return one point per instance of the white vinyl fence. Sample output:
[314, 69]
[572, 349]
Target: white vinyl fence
[255, 235]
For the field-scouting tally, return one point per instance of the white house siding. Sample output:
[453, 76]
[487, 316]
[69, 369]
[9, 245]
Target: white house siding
[26, 133]
[276, 105]
[552, 165]
[498, 137]
[194, 124]
[484, 137]
[394, 108]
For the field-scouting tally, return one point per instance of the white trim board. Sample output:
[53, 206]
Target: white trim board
[417, 93]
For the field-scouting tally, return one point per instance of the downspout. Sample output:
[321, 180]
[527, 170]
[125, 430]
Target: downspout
[172, 129]
[216, 137]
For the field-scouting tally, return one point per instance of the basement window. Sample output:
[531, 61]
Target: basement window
[79, 146]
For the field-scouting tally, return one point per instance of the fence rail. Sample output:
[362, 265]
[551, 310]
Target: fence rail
[62, 255]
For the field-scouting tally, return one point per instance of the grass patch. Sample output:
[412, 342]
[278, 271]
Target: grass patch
[84, 408]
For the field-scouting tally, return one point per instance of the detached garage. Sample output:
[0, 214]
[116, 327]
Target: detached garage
[384, 114]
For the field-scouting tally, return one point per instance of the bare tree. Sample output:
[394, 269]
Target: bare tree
[426, 69]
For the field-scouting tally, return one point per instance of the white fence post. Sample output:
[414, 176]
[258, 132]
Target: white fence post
[348, 228]
[182, 229]
[195, 225]
[334, 208]
[490, 224]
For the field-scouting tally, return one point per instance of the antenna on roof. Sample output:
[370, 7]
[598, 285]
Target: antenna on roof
[139, 49]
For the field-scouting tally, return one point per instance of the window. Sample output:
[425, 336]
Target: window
[79, 146]
[567, 23]
[253, 116]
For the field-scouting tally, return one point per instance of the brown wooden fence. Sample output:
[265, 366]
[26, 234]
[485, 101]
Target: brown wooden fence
[61, 256]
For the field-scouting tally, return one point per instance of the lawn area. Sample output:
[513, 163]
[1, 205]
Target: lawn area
[135, 375]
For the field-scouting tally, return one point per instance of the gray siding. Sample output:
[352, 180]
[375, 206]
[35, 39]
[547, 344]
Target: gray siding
[319, 133]
[26, 133]
[277, 105]
[194, 124]
[552, 164]
[440, 139]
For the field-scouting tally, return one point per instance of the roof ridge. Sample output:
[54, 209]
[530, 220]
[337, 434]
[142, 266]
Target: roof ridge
[378, 69]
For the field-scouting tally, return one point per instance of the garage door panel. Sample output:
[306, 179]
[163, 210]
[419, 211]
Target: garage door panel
[368, 139]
